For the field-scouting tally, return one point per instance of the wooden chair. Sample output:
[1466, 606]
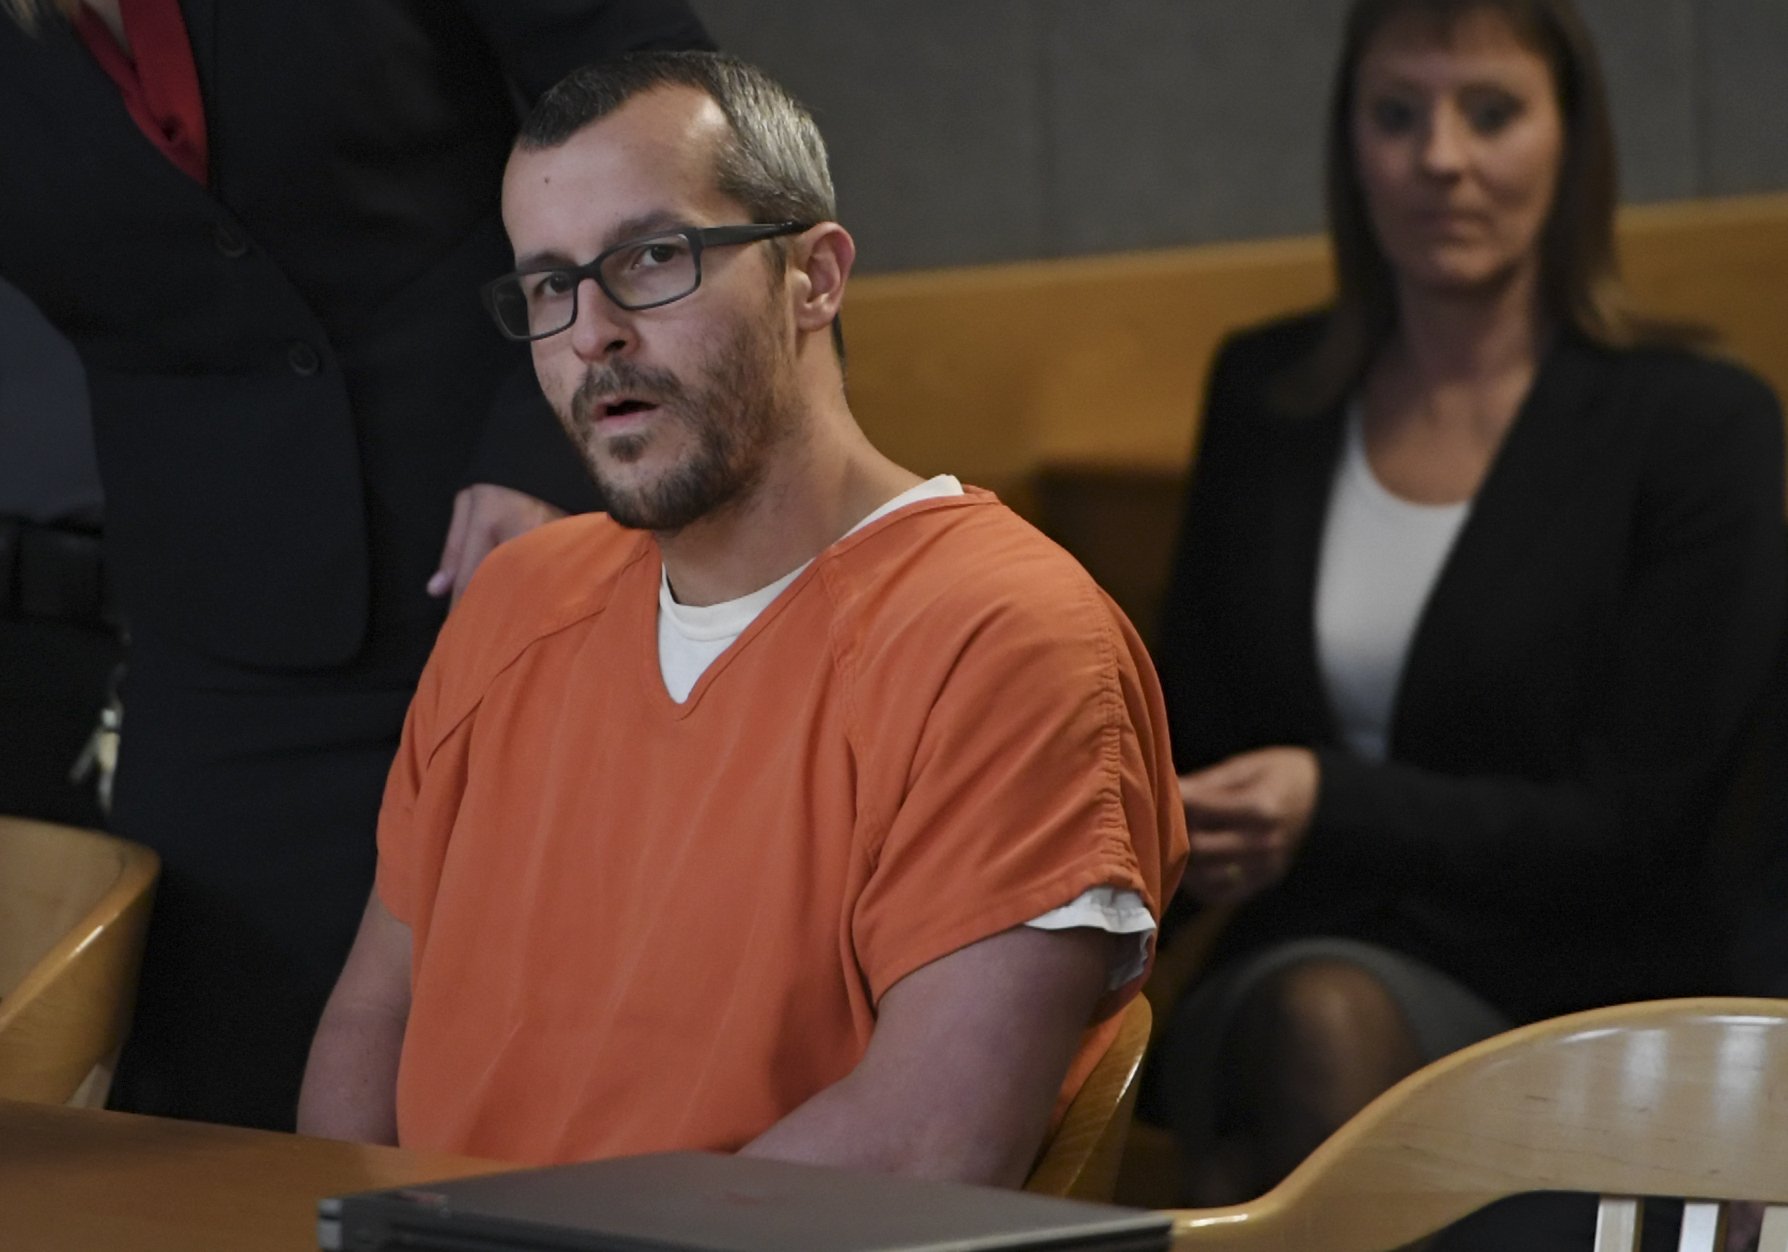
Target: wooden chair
[1081, 1159]
[74, 906]
[1150, 1172]
[1683, 1098]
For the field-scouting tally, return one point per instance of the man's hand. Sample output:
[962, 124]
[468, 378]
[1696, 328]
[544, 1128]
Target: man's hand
[965, 1064]
[484, 515]
[1247, 817]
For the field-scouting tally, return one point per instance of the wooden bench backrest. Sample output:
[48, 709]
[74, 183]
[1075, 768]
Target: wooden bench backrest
[995, 372]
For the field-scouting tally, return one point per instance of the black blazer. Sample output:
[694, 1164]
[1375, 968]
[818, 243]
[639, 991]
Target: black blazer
[1592, 648]
[291, 374]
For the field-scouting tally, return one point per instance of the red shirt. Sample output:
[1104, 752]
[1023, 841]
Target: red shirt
[157, 77]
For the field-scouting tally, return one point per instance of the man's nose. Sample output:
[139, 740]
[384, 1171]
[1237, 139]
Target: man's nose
[602, 328]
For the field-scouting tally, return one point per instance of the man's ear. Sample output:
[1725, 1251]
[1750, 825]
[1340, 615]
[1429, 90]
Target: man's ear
[820, 265]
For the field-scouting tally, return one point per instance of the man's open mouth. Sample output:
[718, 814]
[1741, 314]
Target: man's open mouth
[621, 408]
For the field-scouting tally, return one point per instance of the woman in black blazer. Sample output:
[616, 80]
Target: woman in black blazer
[1477, 586]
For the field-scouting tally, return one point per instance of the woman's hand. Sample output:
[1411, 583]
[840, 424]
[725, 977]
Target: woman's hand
[1247, 817]
[484, 515]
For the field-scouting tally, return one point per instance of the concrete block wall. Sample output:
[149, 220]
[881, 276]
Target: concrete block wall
[965, 131]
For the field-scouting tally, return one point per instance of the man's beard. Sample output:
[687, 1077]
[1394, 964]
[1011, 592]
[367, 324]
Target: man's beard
[735, 415]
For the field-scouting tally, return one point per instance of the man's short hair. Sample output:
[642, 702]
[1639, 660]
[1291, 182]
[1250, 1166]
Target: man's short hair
[773, 163]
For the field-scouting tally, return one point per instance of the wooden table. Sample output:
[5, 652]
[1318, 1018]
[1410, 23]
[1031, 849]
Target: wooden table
[78, 1180]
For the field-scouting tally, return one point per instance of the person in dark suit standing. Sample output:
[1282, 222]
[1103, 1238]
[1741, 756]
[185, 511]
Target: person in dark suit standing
[264, 227]
[1479, 581]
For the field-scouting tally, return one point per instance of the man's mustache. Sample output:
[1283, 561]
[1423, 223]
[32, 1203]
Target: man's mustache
[623, 378]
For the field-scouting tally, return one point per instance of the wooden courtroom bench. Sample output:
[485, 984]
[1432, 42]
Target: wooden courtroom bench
[1072, 387]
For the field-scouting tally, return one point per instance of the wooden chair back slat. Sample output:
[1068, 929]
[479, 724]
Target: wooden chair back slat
[1081, 1159]
[1775, 1229]
[1703, 1227]
[1617, 1225]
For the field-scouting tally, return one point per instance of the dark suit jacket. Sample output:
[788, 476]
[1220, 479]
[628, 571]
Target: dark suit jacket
[291, 374]
[1593, 646]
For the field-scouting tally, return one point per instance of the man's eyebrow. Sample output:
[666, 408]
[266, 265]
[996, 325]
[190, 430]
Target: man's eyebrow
[655, 222]
[548, 260]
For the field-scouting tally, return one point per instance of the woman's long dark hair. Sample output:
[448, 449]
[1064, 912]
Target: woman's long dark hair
[1579, 281]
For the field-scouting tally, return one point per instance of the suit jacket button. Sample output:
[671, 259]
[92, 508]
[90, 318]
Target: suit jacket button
[228, 240]
[303, 359]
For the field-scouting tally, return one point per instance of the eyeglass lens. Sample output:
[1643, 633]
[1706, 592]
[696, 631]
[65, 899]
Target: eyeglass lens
[641, 272]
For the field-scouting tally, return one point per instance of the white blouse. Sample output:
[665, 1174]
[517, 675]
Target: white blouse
[1381, 556]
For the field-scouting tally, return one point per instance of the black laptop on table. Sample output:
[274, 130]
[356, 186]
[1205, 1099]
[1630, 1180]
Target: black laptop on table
[705, 1202]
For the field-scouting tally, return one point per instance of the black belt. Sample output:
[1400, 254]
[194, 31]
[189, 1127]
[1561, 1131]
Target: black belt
[55, 573]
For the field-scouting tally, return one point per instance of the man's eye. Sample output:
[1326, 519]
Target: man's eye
[653, 254]
[657, 254]
[552, 283]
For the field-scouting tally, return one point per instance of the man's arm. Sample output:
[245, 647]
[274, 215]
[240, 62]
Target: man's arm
[968, 1055]
[350, 1082]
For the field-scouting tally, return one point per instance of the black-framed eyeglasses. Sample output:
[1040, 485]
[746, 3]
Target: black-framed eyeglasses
[638, 274]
